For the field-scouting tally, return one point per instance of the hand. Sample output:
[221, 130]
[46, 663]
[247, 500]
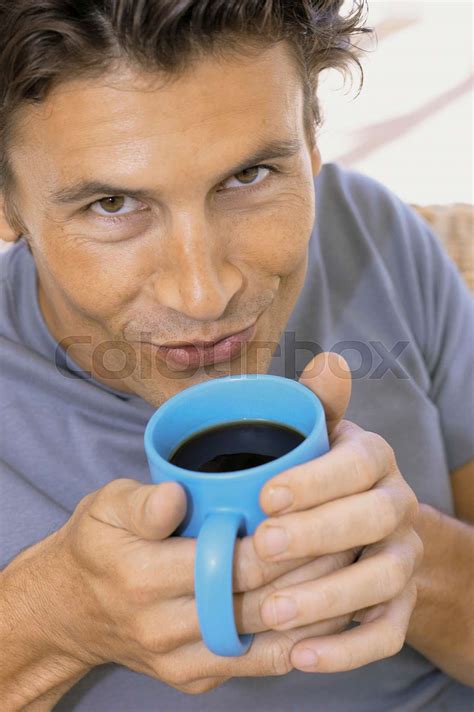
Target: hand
[353, 496]
[117, 589]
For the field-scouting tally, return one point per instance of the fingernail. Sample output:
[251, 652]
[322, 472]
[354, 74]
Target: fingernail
[279, 498]
[304, 657]
[275, 540]
[284, 609]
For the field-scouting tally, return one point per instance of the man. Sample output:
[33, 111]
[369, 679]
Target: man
[180, 201]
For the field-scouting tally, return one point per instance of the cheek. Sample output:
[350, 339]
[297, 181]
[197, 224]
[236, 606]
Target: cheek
[101, 278]
[97, 279]
[275, 238]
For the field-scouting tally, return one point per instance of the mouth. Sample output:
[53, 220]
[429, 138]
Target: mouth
[199, 343]
[191, 354]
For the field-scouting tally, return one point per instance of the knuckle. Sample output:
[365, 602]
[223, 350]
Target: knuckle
[348, 428]
[419, 549]
[395, 575]
[154, 639]
[120, 484]
[376, 442]
[396, 640]
[262, 595]
[178, 676]
[350, 659]
[387, 450]
[103, 494]
[137, 582]
[372, 439]
[390, 456]
[392, 459]
[360, 464]
[279, 656]
[412, 594]
[130, 587]
[81, 545]
[98, 503]
[199, 687]
[167, 671]
[138, 592]
[413, 506]
[111, 489]
[385, 512]
[85, 503]
[250, 573]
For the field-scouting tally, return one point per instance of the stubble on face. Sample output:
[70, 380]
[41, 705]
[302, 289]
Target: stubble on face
[194, 260]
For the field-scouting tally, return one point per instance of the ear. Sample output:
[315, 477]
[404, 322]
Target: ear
[7, 233]
[316, 160]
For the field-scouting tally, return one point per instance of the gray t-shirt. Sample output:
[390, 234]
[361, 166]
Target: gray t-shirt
[381, 290]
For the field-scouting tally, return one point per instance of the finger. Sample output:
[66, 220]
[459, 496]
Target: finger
[356, 461]
[357, 520]
[175, 559]
[147, 511]
[329, 377]
[372, 580]
[248, 606]
[269, 654]
[173, 563]
[381, 635]
[251, 572]
[157, 635]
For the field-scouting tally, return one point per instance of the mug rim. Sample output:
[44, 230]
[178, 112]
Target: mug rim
[287, 458]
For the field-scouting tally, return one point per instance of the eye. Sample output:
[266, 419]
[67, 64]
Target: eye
[115, 203]
[250, 175]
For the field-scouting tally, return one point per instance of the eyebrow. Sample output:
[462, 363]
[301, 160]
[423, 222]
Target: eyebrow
[84, 189]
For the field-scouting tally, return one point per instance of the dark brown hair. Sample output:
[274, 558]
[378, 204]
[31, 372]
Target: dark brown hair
[46, 42]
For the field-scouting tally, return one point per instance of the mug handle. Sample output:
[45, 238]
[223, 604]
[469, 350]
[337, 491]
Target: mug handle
[213, 571]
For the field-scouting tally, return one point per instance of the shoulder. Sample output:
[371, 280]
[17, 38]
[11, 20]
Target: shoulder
[14, 262]
[366, 231]
[369, 234]
[362, 219]
[355, 200]
[372, 241]
[360, 210]
[12, 258]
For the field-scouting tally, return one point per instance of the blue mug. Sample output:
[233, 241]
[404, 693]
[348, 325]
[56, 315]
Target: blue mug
[222, 506]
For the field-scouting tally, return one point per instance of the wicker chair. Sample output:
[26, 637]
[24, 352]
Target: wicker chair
[454, 224]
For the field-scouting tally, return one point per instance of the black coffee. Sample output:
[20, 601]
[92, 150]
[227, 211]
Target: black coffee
[235, 446]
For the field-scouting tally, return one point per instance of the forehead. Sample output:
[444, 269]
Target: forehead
[127, 116]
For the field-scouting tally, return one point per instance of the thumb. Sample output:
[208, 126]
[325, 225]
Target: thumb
[329, 377]
[148, 511]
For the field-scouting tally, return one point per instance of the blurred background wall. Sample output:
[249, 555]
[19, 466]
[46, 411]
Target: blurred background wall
[411, 125]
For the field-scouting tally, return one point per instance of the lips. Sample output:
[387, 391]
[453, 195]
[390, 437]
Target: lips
[197, 354]
[183, 344]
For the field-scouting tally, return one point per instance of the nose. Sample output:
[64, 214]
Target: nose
[197, 279]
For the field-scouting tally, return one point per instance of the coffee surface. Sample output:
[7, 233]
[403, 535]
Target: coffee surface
[235, 446]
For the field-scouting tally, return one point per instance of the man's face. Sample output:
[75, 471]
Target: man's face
[204, 251]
